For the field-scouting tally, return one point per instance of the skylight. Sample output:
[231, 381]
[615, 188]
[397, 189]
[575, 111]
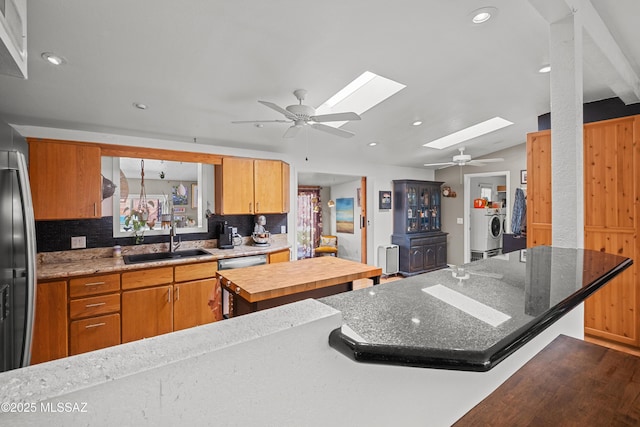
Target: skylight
[471, 132]
[365, 92]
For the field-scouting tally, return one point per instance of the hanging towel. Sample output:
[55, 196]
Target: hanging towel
[519, 217]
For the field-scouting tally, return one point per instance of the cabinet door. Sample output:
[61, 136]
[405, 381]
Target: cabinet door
[66, 181]
[286, 187]
[234, 186]
[267, 186]
[281, 256]
[50, 327]
[147, 313]
[429, 257]
[416, 258]
[191, 303]
[539, 189]
[94, 333]
[441, 254]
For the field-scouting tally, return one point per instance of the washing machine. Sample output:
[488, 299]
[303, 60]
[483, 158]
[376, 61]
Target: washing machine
[486, 229]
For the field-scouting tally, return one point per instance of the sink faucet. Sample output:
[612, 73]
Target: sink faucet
[172, 233]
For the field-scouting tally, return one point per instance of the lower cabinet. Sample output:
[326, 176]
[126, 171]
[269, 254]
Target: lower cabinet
[280, 256]
[94, 333]
[50, 327]
[154, 302]
[422, 252]
[147, 313]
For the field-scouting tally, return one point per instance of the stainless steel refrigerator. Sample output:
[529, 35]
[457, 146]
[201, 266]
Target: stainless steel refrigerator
[17, 253]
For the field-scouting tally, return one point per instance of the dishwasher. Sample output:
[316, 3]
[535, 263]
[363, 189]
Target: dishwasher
[240, 262]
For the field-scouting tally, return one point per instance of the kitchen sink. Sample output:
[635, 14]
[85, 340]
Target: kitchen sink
[159, 256]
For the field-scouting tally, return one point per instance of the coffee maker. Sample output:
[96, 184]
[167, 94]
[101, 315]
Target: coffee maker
[225, 241]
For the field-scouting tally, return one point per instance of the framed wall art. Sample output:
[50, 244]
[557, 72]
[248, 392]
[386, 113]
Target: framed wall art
[384, 200]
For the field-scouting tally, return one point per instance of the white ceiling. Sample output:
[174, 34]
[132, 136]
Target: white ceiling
[199, 65]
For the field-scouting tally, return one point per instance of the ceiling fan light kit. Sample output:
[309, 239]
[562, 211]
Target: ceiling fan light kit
[463, 160]
[302, 115]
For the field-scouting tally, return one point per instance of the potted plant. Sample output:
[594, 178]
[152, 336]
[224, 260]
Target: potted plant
[137, 220]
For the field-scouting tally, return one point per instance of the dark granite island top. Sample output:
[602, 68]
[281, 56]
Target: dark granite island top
[468, 320]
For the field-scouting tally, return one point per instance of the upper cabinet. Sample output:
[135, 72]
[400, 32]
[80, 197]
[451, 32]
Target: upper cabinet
[13, 38]
[251, 186]
[65, 180]
[416, 206]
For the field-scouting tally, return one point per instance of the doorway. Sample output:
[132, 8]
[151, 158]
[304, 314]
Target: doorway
[350, 191]
[493, 187]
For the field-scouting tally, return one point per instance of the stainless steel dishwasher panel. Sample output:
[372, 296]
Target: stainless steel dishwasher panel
[239, 262]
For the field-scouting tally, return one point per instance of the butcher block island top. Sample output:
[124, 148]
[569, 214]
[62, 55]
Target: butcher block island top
[269, 285]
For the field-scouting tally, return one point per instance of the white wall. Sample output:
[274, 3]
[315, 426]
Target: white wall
[515, 160]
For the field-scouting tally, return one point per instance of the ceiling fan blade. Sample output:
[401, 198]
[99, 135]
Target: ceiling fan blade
[335, 117]
[261, 121]
[445, 164]
[279, 109]
[498, 159]
[332, 130]
[292, 131]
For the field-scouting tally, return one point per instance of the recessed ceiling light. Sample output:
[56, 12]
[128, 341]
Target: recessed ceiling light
[545, 69]
[372, 144]
[140, 106]
[482, 15]
[417, 123]
[471, 132]
[52, 58]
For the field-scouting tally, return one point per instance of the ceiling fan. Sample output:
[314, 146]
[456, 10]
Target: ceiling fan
[302, 115]
[464, 160]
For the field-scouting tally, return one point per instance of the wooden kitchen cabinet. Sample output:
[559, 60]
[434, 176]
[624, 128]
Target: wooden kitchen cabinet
[50, 327]
[250, 186]
[94, 312]
[147, 312]
[190, 304]
[158, 300]
[66, 180]
[611, 223]
[280, 256]
[94, 333]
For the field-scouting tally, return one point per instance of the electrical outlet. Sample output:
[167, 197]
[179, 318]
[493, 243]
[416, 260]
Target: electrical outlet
[460, 221]
[234, 230]
[283, 229]
[79, 242]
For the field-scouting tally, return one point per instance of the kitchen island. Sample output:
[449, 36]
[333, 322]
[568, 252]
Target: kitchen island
[266, 286]
[469, 318]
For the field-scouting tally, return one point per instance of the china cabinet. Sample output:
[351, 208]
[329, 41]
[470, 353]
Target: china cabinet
[417, 225]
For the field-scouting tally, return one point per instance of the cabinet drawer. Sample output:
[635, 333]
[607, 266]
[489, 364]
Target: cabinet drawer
[94, 333]
[148, 277]
[203, 270]
[428, 241]
[99, 284]
[94, 306]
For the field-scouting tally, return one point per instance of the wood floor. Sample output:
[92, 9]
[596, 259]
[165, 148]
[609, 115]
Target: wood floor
[569, 383]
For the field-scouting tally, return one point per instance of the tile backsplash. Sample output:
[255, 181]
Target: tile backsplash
[56, 235]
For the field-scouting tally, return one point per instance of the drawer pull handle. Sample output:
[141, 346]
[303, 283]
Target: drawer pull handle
[95, 325]
[94, 283]
[98, 304]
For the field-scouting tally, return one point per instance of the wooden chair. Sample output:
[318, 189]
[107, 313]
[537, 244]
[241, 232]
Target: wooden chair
[328, 246]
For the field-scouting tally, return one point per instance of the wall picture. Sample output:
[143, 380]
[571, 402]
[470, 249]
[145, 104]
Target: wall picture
[385, 199]
[180, 195]
[344, 215]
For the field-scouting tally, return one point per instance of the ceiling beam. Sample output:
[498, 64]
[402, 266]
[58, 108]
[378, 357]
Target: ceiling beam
[601, 52]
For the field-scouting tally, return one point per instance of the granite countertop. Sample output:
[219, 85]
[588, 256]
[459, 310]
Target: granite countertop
[502, 304]
[63, 264]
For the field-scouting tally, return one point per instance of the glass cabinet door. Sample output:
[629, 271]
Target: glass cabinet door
[412, 209]
[434, 209]
[425, 219]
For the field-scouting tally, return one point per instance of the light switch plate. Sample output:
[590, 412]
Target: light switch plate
[283, 229]
[460, 221]
[79, 242]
